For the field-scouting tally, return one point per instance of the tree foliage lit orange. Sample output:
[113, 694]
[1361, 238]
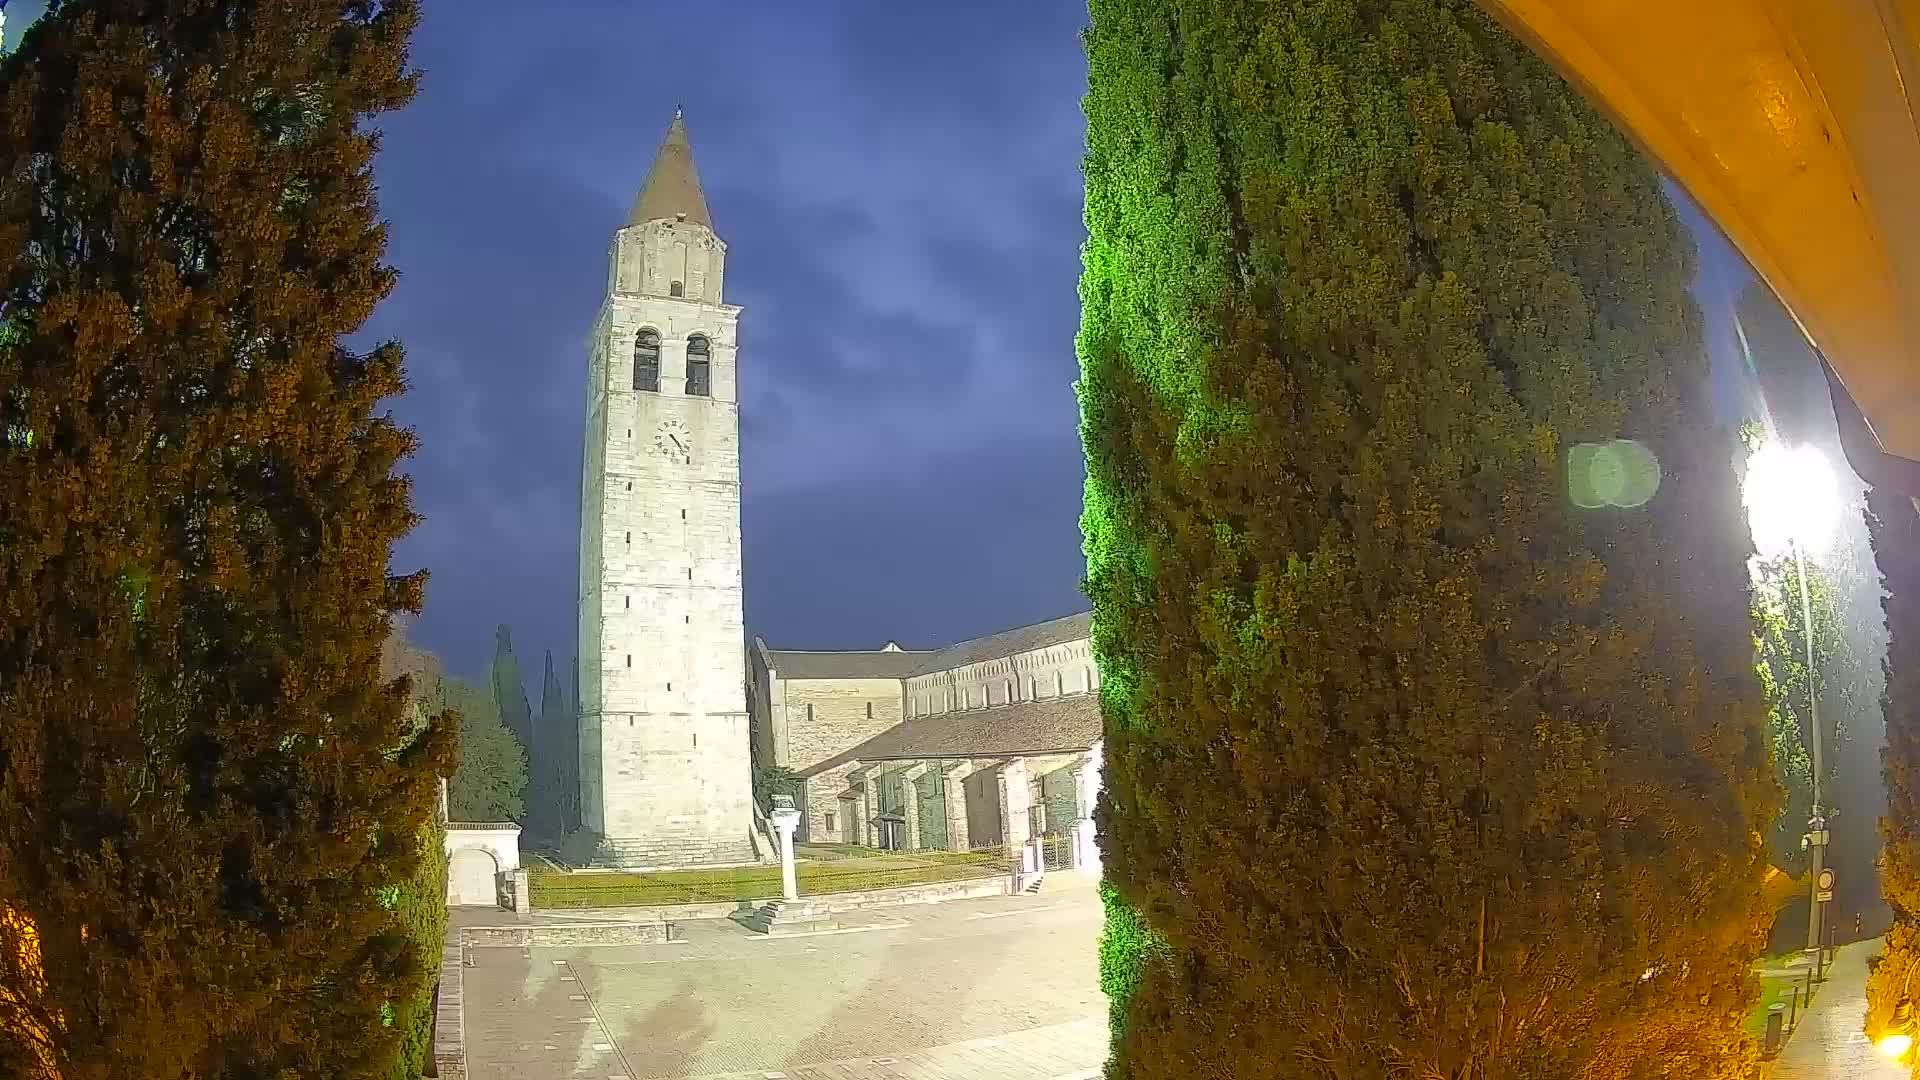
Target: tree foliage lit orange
[205, 785]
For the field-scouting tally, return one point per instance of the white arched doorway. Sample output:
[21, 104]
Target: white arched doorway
[471, 878]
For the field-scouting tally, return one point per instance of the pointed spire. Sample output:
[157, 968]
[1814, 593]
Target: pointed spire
[672, 189]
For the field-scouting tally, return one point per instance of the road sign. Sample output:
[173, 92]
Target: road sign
[1826, 879]
[1823, 897]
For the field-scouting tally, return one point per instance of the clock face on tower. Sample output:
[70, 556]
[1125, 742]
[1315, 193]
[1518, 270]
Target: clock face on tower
[673, 442]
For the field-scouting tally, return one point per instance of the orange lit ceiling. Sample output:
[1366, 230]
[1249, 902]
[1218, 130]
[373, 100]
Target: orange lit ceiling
[1791, 123]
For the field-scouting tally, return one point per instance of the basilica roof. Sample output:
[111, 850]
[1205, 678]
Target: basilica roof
[853, 664]
[1021, 639]
[1051, 725]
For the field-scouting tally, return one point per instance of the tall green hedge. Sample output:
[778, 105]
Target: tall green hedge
[1413, 768]
[422, 905]
[1895, 529]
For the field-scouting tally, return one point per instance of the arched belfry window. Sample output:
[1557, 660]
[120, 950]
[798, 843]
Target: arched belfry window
[699, 367]
[646, 361]
[676, 289]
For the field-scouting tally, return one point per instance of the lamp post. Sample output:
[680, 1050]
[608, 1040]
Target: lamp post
[1793, 506]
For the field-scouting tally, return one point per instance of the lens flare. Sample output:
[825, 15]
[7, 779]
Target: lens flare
[1894, 1047]
[1621, 473]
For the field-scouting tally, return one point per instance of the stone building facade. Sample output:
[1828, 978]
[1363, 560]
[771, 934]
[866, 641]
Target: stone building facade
[663, 749]
[983, 744]
[988, 743]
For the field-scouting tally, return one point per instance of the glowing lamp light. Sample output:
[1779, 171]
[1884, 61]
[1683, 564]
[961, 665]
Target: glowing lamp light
[1895, 1046]
[1791, 498]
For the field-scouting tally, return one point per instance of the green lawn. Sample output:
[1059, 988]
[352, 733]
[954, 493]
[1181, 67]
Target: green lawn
[1774, 988]
[848, 873]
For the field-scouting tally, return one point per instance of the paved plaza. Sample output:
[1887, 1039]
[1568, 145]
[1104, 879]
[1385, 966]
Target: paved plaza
[997, 989]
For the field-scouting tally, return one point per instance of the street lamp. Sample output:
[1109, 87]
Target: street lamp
[1897, 1041]
[1793, 505]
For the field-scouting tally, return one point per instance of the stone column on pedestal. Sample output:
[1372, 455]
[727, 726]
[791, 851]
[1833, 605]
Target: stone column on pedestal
[1013, 811]
[954, 800]
[857, 822]
[910, 803]
[870, 798]
[785, 820]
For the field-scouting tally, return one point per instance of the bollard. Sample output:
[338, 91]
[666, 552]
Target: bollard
[1793, 1011]
[1776, 1027]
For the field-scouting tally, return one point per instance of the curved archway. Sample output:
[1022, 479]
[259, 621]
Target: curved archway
[472, 878]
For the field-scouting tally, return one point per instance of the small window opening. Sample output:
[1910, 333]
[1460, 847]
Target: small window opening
[629, 485]
[629, 601]
[629, 539]
[869, 710]
[669, 687]
[683, 515]
[809, 714]
[699, 370]
[676, 289]
[629, 659]
[829, 821]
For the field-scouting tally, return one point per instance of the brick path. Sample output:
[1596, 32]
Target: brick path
[1829, 1043]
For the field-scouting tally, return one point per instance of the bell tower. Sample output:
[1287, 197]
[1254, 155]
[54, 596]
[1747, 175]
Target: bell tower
[665, 772]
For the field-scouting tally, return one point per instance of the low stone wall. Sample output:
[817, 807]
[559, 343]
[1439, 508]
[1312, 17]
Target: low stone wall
[932, 893]
[449, 1016]
[564, 935]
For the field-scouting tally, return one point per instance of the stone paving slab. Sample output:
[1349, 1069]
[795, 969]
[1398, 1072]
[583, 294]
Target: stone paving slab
[1000, 989]
[1059, 1052]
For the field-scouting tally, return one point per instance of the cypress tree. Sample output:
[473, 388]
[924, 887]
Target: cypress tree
[553, 784]
[1413, 767]
[509, 689]
[205, 784]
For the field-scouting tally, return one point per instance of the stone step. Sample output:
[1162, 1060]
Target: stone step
[778, 917]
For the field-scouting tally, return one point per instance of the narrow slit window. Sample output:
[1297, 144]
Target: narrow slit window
[646, 362]
[699, 367]
[629, 659]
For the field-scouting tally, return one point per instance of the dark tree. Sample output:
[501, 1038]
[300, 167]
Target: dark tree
[490, 783]
[206, 787]
[1412, 767]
